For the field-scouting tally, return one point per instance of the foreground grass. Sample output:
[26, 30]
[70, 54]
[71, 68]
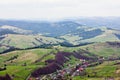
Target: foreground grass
[103, 71]
[15, 68]
[19, 72]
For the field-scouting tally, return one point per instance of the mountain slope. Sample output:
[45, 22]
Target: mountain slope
[53, 29]
[80, 35]
[69, 33]
[106, 49]
[28, 41]
[89, 34]
[110, 22]
[17, 41]
[13, 30]
[15, 65]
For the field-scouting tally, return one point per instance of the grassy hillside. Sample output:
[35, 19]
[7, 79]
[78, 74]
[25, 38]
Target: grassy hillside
[5, 29]
[25, 60]
[3, 48]
[15, 66]
[103, 49]
[79, 36]
[108, 35]
[27, 41]
[106, 70]
[88, 34]
[28, 56]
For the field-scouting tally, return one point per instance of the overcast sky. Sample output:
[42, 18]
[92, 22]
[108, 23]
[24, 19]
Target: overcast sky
[57, 9]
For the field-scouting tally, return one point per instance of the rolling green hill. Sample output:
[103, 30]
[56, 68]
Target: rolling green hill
[88, 35]
[28, 57]
[104, 49]
[16, 60]
[16, 38]
[27, 41]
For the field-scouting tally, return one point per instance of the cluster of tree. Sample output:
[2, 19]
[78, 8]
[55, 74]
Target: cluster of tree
[94, 64]
[90, 34]
[114, 44]
[2, 69]
[118, 36]
[6, 77]
[10, 49]
[12, 58]
[67, 44]
[46, 70]
[60, 58]
[41, 58]
[49, 61]
[82, 56]
[117, 63]
[2, 37]
[57, 63]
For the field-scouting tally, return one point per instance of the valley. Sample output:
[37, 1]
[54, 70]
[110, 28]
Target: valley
[64, 33]
[61, 50]
[25, 62]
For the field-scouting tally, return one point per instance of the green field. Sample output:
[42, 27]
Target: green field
[16, 68]
[106, 70]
